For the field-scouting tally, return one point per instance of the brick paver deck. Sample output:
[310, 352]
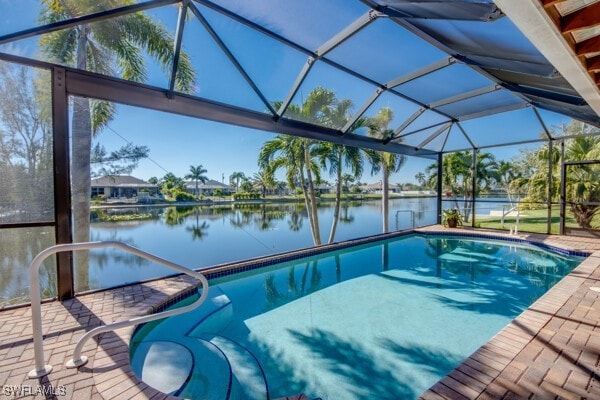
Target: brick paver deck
[549, 351]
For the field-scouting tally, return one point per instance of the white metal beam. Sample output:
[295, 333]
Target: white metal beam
[492, 111]
[362, 110]
[348, 32]
[465, 96]
[426, 70]
[434, 135]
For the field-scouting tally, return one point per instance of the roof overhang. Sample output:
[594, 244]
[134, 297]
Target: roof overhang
[534, 20]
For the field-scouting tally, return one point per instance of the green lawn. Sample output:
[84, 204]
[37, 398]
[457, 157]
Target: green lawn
[532, 221]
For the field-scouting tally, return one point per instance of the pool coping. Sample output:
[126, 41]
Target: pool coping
[508, 365]
[109, 376]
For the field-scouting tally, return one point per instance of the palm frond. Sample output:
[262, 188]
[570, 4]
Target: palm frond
[102, 112]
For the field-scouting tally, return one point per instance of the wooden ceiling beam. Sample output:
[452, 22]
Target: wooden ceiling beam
[593, 64]
[583, 18]
[550, 3]
[591, 45]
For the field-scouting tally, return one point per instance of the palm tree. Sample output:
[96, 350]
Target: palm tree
[506, 176]
[347, 179]
[246, 184]
[288, 153]
[296, 155]
[197, 174]
[335, 157]
[390, 162]
[236, 177]
[264, 181]
[105, 47]
[457, 176]
[582, 181]
[421, 178]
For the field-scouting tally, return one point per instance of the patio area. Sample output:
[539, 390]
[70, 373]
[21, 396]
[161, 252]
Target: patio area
[550, 351]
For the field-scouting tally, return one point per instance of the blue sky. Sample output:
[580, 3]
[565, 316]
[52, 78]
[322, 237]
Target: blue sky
[177, 142]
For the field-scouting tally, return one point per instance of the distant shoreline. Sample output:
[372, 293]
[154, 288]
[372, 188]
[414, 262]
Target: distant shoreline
[211, 202]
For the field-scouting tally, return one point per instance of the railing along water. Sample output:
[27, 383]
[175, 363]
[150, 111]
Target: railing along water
[36, 307]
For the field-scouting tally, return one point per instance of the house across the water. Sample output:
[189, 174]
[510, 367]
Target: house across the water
[209, 188]
[122, 186]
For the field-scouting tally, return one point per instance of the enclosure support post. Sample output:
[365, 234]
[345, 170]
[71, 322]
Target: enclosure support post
[563, 187]
[62, 182]
[549, 200]
[439, 187]
[473, 186]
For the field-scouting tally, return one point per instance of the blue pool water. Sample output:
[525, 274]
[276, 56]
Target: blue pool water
[384, 320]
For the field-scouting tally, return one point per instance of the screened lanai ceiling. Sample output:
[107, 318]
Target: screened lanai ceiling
[456, 74]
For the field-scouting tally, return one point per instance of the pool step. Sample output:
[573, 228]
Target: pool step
[216, 314]
[249, 382]
[165, 366]
[211, 378]
[188, 358]
[191, 368]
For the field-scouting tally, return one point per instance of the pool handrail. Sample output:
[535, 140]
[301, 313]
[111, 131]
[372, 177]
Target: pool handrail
[412, 217]
[41, 369]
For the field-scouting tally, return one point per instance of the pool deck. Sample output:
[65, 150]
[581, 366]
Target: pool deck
[549, 351]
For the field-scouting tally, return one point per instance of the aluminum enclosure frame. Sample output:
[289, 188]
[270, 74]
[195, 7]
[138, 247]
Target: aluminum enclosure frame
[68, 81]
[72, 82]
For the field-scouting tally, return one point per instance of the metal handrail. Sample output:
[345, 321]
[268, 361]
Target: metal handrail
[412, 217]
[36, 307]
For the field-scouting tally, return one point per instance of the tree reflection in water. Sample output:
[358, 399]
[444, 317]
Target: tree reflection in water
[310, 282]
[18, 247]
[295, 221]
[199, 230]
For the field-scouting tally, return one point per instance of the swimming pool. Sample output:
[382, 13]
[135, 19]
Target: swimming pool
[383, 320]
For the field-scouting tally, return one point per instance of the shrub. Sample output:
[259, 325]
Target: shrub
[180, 195]
[246, 196]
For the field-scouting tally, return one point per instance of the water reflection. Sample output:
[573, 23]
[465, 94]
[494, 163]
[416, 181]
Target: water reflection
[193, 236]
[309, 282]
[200, 236]
[18, 246]
[295, 221]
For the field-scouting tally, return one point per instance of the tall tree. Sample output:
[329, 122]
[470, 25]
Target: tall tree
[236, 177]
[118, 162]
[334, 157]
[264, 181]
[347, 179]
[507, 175]
[582, 181]
[300, 165]
[25, 143]
[389, 162]
[288, 153]
[169, 183]
[421, 178]
[110, 46]
[457, 176]
[197, 175]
